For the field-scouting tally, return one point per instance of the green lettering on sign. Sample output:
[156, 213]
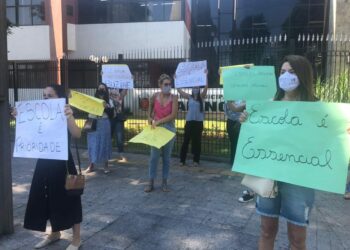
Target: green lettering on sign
[302, 143]
[254, 83]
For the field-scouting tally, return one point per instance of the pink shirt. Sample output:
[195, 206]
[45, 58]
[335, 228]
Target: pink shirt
[162, 111]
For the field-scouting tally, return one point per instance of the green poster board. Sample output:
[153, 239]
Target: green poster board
[302, 143]
[254, 83]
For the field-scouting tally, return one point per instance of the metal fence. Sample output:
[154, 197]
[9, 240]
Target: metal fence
[330, 57]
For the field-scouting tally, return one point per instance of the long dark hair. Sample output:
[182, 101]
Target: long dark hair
[303, 69]
[199, 99]
[59, 89]
[106, 96]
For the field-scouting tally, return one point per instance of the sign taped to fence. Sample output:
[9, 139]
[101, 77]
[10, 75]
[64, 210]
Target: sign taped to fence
[221, 69]
[89, 104]
[302, 143]
[117, 76]
[191, 74]
[41, 130]
[157, 137]
[255, 83]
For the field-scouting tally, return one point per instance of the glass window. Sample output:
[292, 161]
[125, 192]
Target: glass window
[69, 10]
[11, 14]
[317, 14]
[155, 11]
[24, 16]
[226, 6]
[10, 3]
[37, 2]
[172, 10]
[26, 12]
[226, 23]
[119, 12]
[138, 12]
[38, 15]
[24, 2]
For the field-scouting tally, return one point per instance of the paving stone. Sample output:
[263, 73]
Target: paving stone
[200, 212]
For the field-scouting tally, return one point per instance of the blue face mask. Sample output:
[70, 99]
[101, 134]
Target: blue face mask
[166, 89]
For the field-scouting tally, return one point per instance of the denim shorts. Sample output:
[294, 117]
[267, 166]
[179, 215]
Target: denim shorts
[293, 203]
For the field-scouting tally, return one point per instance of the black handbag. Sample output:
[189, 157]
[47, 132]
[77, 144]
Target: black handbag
[75, 183]
[90, 125]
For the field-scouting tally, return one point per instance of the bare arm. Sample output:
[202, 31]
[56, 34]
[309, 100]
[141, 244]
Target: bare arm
[183, 94]
[123, 93]
[205, 90]
[150, 109]
[74, 130]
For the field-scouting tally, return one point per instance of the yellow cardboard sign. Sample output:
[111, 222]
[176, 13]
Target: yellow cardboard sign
[157, 137]
[221, 69]
[89, 104]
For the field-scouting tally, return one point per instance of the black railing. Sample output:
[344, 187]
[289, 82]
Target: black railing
[330, 57]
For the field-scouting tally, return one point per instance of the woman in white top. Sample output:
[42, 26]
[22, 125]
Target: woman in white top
[194, 124]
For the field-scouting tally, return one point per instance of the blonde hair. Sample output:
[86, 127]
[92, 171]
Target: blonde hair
[163, 77]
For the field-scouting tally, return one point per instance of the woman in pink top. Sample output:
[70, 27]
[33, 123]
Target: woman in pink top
[162, 112]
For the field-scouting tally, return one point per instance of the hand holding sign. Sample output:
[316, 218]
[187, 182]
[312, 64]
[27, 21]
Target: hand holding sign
[156, 137]
[302, 143]
[41, 129]
[117, 76]
[222, 69]
[255, 83]
[89, 104]
[191, 74]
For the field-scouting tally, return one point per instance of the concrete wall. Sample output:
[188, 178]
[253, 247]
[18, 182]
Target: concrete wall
[115, 38]
[339, 21]
[29, 43]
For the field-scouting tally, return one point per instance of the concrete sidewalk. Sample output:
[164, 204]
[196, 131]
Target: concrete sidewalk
[201, 211]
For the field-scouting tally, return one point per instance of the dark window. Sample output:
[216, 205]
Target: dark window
[11, 14]
[10, 3]
[26, 12]
[69, 10]
[24, 16]
[119, 11]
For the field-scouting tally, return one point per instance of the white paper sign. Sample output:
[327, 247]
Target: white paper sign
[117, 76]
[41, 130]
[191, 74]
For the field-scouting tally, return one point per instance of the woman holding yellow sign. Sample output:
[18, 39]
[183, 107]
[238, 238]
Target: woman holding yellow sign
[162, 112]
[99, 141]
[292, 202]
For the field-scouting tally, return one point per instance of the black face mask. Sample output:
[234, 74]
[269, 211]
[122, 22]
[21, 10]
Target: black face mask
[101, 92]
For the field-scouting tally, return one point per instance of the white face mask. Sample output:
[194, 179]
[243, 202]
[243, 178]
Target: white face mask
[288, 81]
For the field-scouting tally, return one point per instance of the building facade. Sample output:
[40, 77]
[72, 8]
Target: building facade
[79, 28]
[146, 30]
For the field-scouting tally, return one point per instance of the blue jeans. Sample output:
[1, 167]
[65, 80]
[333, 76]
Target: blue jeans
[166, 155]
[348, 187]
[294, 203]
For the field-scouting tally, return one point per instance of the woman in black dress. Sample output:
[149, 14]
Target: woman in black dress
[48, 199]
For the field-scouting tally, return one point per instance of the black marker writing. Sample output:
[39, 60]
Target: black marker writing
[40, 131]
[323, 123]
